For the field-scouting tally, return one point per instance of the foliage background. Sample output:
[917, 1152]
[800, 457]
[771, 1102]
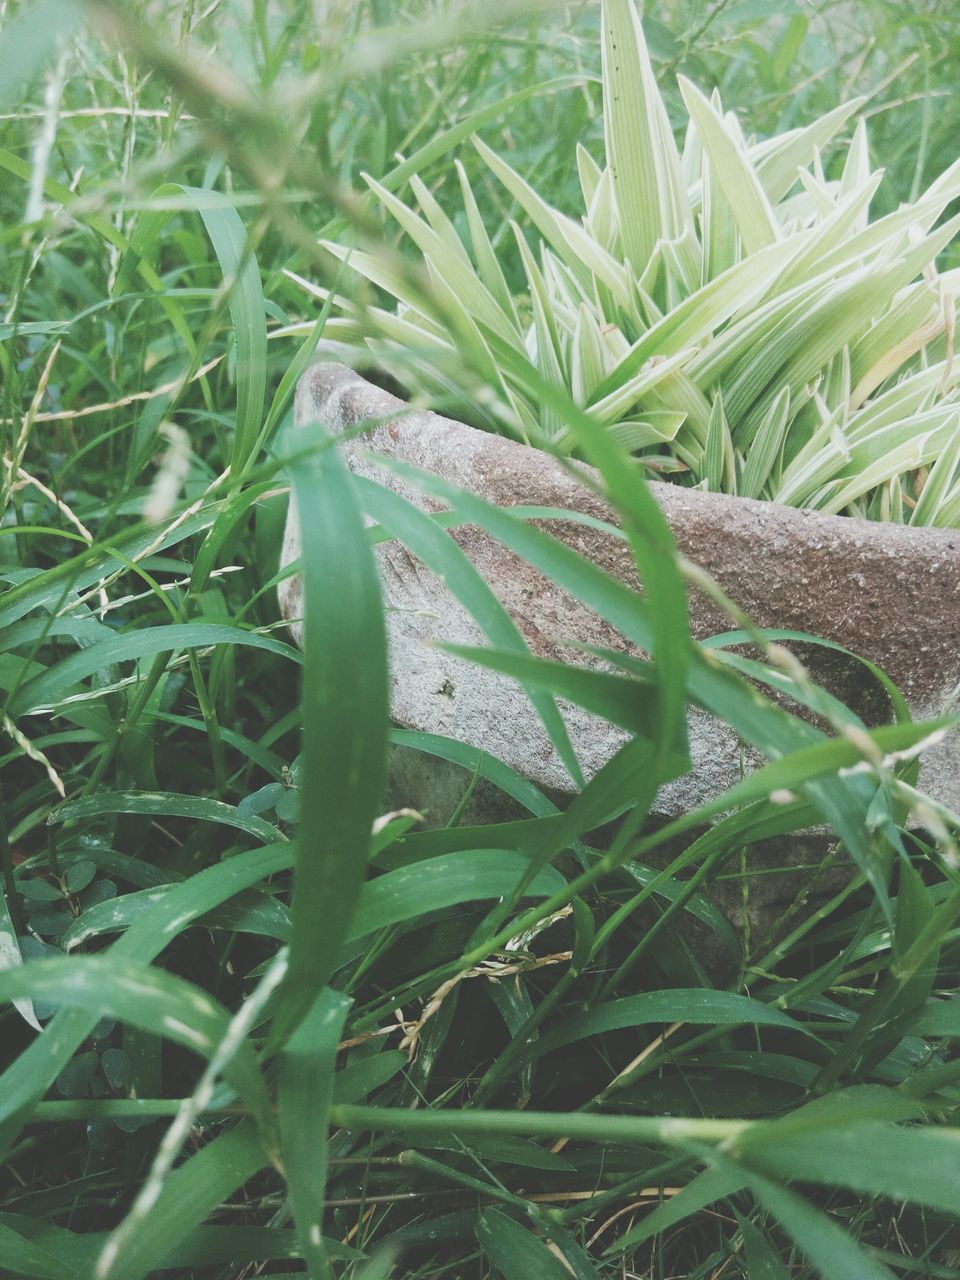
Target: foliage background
[150, 776]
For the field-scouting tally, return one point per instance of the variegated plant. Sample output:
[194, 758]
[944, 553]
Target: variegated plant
[728, 310]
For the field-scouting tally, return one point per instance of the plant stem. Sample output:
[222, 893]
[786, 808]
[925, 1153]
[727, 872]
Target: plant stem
[667, 1130]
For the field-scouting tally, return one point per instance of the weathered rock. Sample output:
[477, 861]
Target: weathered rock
[887, 592]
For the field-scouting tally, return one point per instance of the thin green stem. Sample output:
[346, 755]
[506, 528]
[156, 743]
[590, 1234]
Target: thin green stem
[82, 1109]
[137, 707]
[14, 906]
[664, 1130]
[211, 723]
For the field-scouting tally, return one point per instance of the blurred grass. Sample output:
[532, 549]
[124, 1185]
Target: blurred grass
[144, 339]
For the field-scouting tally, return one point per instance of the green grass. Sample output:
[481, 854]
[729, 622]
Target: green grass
[730, 308]
[273, 1042]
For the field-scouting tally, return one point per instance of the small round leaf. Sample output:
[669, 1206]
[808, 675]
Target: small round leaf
[79, 875]
[74, 1080]
[117, 1067]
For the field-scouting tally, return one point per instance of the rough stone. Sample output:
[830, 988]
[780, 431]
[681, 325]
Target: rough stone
[889, 593]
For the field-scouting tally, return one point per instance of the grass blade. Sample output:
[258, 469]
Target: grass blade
[305, 1092]
[915, 1165]
[733, 172]
[22, 1257]
[834, 1253]
[47, 689]
[200, 1185]
[441, 554]
[345, 720]
[706, 1188]
[242, 285]
[516, 1252]
[641, 153]
[435, 883]
[165, 804]
[145, 997]
[699, 1006]
[27, 1080]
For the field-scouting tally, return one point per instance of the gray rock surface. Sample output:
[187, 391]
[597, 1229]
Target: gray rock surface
[889, 593]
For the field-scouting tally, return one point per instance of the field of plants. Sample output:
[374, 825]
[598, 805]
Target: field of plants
[267, 1013]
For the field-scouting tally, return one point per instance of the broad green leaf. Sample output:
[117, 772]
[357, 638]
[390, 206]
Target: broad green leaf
[20, 1256]
[164, 804]
[515, 1251]
[45, 690]
[256, 912]
[147, 998]
[202, 1247]
[305, 1091]
[430, 883]
[345, 717]
[834, 1253]
[763, 1262]
[357, 1080]
[914, 1164]
[26, 1080]
[694, 1005]
[210, 1246]
[191, 1192]
[444, 881]
[937, 1018]
[707, 1188]
[380, 1267]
